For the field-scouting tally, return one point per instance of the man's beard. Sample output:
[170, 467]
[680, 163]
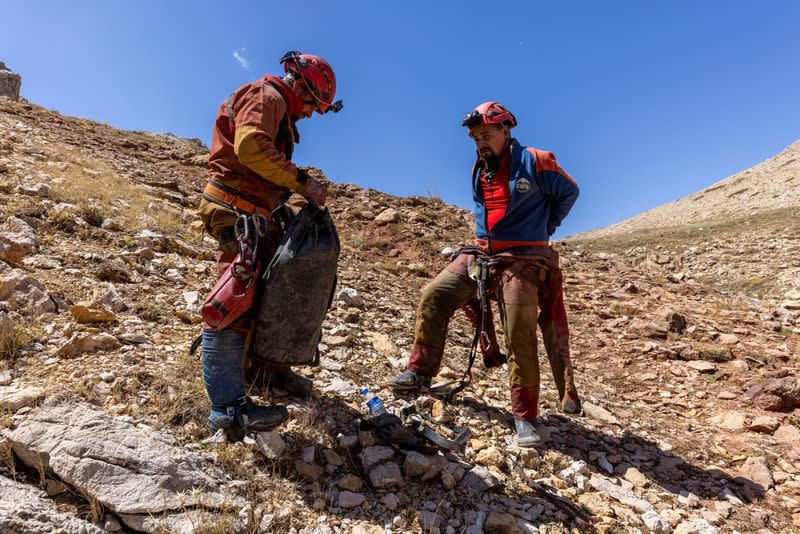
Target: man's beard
[491, 160]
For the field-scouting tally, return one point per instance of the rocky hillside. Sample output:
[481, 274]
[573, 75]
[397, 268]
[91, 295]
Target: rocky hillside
[739, 235]
[772, 184]
[691, 395]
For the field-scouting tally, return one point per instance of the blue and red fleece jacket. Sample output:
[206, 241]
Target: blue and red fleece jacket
[542, 194]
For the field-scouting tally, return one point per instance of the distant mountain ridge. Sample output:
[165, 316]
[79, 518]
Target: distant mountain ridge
[774, 183]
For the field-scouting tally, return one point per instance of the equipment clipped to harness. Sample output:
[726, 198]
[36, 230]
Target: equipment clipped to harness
[479, 271]
[236, 289]
[297, 291]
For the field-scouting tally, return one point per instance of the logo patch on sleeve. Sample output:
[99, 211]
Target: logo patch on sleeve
[523, 185]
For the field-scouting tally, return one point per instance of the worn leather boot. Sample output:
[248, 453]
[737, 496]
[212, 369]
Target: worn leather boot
[408, 380]
[294, 383]
[526, 433]
[263, 375]
[246, 416]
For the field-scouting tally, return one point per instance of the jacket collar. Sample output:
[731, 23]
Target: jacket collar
[293, 102]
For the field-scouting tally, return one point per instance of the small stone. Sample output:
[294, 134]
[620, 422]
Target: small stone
[696, 526]
[448, 480]
[490, 457]
[712, 517]
[16, 396]
[387, 216]
[332, 457]
[374, 455]
[350, 297]
[93, 312]
[702, 366]
[625, 496]
[383, 344]
[501, 523]
[635, 477]
[788, 434]
[386, 476]
[755, 470]
[308, 454]
[765, 424]
[416, 464]
[728, 339]
[350, 483]
[729, 420]
[390, 501]
[366, 439]
[599, 413]
[595, 504]
[656, 523]
[5, 378]
[724, 509]
[480, 479]
[54, 487]
[348, 499]
[478, 444]
[310, 472]
[776, 394]
[110, 524]
[726, 395]
[270, 444]
[740, 365]
[578, 467]
[83, 342]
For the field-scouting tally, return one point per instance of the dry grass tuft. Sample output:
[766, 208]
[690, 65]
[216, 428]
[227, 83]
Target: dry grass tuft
[180, 393]
[23, 335]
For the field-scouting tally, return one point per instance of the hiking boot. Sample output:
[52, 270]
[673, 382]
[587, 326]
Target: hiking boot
[294, 384]
[526, 433]
[268, 376]
[571, 407]
[246, 416]
[494, 358]
[408, 380]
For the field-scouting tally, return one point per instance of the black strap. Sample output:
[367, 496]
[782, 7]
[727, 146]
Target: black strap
[456, 444]
[229, 109]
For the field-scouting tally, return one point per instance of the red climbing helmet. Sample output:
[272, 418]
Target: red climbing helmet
[489, 113]
[318, 77]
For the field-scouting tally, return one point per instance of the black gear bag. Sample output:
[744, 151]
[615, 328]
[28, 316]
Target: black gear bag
[297, 290]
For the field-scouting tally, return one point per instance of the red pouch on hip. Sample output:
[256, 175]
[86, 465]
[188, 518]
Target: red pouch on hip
[236, 289]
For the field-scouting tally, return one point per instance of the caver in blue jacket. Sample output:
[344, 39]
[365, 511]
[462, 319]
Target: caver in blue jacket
[541, 196]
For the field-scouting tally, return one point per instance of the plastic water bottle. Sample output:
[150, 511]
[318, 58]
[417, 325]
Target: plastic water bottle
[374, 404]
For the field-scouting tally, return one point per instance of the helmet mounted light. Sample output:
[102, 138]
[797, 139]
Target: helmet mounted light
[489, 113]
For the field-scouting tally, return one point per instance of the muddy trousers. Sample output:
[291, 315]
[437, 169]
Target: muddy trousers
[519, 298]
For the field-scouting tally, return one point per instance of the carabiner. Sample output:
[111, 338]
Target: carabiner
[241, 228]
[260, 224]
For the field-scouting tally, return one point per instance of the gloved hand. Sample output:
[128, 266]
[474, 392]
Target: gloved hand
[315, 192]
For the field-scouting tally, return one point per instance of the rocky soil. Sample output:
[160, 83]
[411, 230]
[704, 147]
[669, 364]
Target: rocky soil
[691, 422]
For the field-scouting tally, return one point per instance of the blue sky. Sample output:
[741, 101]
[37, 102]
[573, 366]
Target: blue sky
[642, 102]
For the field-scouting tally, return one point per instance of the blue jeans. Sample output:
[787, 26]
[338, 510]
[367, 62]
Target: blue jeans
[223, 368]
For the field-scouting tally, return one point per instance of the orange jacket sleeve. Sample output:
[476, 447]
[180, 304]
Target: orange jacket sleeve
[258, 114]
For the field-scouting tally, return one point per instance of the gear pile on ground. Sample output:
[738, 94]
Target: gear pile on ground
[691, 395]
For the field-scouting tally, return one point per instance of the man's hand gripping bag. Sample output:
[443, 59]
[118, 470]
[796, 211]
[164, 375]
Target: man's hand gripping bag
[297, 291]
